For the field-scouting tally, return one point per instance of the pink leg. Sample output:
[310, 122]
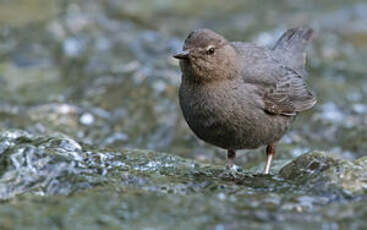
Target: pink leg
[231, 155]
[270, 151]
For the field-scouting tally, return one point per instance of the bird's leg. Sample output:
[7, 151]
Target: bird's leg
[231, 154]
[270, 151]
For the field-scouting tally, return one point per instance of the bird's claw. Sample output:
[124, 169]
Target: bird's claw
[233, 170]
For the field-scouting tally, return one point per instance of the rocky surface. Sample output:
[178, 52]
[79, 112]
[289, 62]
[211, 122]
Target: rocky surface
[54, 182]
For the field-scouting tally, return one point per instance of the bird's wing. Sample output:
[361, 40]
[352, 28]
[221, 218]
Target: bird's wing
[281, 89]
[288, 94]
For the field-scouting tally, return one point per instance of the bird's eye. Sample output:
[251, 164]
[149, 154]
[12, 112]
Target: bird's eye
[210, 50]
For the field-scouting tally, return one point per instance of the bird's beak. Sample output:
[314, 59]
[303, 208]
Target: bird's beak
[184, 54]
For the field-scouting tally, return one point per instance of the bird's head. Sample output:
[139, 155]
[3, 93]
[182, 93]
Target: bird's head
[207, 56]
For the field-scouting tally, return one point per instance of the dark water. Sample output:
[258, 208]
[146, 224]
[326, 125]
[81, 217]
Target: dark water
[83, 81]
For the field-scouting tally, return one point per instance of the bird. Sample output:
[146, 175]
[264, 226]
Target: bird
[238, 95]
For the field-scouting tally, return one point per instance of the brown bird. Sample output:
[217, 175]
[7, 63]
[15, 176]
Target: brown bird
[238, 95]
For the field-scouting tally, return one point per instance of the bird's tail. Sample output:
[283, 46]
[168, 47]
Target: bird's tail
[295, 39]
[291, 46]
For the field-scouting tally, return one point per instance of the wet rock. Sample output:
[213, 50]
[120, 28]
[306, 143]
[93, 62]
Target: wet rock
[137, 188]
[320, 172]
[40, 165]
[57, 164]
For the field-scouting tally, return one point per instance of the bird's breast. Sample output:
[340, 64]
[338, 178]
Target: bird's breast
[227, 117]
[213, 113]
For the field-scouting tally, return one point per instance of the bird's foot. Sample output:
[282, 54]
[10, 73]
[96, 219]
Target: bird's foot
[233, 167]
[233, 170]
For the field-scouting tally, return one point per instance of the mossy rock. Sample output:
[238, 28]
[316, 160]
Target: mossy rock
[322, 172]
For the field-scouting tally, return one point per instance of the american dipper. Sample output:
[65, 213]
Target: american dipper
[238, 95]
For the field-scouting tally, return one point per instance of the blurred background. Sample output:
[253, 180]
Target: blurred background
[101, 73]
